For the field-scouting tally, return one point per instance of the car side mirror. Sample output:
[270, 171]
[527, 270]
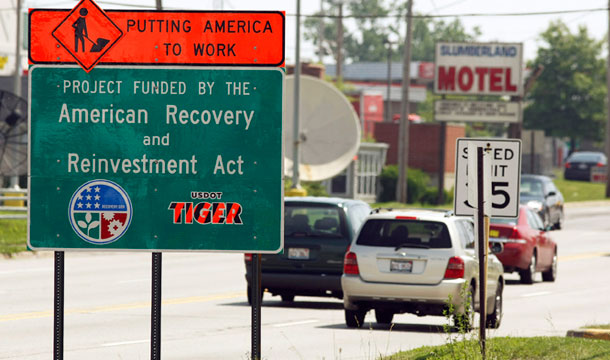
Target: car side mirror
[552, 193]
[496, 247]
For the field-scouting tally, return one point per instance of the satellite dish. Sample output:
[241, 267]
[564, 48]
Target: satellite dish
[13, 135]
[329, 130]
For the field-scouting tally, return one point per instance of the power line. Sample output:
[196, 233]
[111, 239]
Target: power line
[423, 16]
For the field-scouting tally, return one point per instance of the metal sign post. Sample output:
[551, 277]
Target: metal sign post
[155, 314]
[481, 231]
[256, 297]
[58, 308]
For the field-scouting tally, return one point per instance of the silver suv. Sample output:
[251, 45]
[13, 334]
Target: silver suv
[420, 262]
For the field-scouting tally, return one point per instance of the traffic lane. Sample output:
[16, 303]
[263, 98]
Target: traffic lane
[90, 278]
[585, 231]
[310, 328]
[104, 285]
[578, 297]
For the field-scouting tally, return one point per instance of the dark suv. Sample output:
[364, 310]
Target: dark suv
[317, 232]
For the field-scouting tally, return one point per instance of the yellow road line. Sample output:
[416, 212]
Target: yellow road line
[119, 307]
[583, 256]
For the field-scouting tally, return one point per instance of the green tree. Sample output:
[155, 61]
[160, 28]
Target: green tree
[376, 22]
[568, 99]
[427, 32]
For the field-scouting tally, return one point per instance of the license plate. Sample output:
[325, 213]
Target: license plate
[298, 253]
[401, 266]
[582, 166]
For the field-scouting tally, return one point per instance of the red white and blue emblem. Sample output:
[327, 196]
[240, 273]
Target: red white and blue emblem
[100, 211]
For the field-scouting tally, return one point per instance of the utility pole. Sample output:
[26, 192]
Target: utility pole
[608, 108]
[14, 180]
[403, 132]
[296, 185]
[388, 115]
[321, 33]
[340, 44]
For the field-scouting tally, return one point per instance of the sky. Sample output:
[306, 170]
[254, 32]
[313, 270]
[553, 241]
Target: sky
[523, 29]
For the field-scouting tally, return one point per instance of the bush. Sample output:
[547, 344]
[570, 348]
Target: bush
[418, 190]
[431, 196]
[313, 188]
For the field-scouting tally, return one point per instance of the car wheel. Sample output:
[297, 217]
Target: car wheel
[527, 275]
[551, 273]
[249, 290]
[465, 321]
[287, 297]
[354, 318]
[493, 320]
[383, 316]
[559, 223]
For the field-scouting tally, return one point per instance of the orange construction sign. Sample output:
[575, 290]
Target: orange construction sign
[117, 37]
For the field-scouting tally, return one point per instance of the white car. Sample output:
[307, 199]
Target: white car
[419, 262]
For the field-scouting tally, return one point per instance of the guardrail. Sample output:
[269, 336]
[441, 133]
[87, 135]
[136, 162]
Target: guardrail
[5, 197]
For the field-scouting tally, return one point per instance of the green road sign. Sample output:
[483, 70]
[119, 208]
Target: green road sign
[163, 158]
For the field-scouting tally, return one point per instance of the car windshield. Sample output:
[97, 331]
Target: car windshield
[404, 233]
[305, 220]
[585, 157]
[531, 188]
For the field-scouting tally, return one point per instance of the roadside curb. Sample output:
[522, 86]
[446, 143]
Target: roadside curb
[597, 334]
[589, 203]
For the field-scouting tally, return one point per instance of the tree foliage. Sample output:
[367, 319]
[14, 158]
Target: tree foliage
[568, 99]
[376, 22]
[427, 32]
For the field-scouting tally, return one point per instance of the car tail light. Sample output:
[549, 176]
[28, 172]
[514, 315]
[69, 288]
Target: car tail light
[247, 257]
[406, 217]
[599, 164]
[568, 165]
[350, 264]
[455, 268]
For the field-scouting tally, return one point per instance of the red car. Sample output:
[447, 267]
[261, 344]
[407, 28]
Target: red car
[528, 248]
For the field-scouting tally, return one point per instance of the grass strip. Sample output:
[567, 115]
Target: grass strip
[13, 233]
[510, 348]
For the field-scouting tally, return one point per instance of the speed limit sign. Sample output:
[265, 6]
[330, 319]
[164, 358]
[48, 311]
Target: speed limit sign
[505, 176]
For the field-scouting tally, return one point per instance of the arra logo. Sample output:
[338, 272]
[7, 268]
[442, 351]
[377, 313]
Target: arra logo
[100, 211]
[206, 213]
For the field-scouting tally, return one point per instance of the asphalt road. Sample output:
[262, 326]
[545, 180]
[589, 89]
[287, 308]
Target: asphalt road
[205, 314]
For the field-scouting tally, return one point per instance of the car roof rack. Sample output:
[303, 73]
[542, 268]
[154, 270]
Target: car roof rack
[378, 210]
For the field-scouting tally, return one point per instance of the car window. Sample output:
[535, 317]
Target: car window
[466, 231]
[550, 187]
[407, 233]
[534, 221]
[586, 157]
[531, 187]
[304, 220]
[537, 220]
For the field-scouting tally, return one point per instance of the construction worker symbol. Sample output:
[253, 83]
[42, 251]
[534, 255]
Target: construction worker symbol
[80, 34]
[87, 33]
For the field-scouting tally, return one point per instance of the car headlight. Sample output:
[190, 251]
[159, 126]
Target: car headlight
[534, 205]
